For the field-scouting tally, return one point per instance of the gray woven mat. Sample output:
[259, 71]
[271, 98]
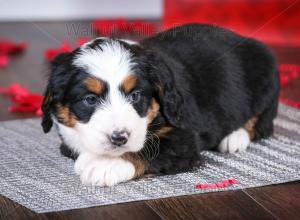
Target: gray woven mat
[34, 174]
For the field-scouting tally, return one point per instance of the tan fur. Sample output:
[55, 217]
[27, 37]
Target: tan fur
[138, 163]
[152, 111]
[163, 131]
[249, 126]
[65, 116]
[94, 85]
[129, 83]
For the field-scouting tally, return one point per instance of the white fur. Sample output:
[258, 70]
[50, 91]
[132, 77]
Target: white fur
[91, 41]
[237, 141]
[129, 42]
[103, 171]
[112, 64]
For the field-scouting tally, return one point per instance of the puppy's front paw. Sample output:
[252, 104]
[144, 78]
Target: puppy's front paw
[82, 162]
[103, 171]
[237, 141]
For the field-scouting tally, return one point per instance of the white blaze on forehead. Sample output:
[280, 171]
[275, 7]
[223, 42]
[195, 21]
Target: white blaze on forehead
[91, 41]
[111, 62]
[130, 42]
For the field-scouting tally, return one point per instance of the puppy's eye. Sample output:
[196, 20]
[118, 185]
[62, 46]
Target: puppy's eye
[135, 97]
[90, 100]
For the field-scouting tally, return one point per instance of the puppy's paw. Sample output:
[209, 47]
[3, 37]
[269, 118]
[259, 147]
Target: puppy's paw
[103, 171]
[237, 141]
[82, 162]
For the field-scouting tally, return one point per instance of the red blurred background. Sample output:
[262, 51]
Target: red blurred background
[276, 22]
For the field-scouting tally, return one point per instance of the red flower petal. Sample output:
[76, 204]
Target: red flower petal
[23, 100]
[53, 52]
[82, 40]
[4, 60]
[221, 184]
[9, 47]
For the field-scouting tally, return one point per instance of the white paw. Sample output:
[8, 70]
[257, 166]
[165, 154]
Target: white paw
[82, 161]
[103, 171]
[237, 141]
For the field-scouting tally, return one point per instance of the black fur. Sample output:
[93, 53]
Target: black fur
[221, 80]
[67, 152]
[208, 81]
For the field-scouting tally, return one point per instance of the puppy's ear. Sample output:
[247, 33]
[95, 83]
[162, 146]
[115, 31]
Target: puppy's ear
[46, 109]
[170, 95]
[58, 60]
[53, 90]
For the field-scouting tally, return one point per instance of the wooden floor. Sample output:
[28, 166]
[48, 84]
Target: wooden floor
[270, 202]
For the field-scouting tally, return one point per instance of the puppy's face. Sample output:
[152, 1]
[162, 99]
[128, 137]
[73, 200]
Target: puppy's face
[101, 98]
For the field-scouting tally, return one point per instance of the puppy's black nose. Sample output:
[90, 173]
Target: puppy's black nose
[119, 138]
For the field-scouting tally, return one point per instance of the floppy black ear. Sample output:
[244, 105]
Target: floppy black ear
[54, 89]
[172, 103]
[46, 109]
[169, 92]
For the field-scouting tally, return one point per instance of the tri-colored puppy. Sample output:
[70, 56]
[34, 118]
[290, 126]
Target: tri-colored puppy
[124, 109]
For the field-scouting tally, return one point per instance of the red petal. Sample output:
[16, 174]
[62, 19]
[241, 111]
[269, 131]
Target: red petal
[9, 47]
[224, 183]
[284, 79]
[234, 181]
[53, 52]
[82, 40]
[24, 100]
[4, 60]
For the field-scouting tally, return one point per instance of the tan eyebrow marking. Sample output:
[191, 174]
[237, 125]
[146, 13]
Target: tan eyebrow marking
[94, 85]
[129, 83]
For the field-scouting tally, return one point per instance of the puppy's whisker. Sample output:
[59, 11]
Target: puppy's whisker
[145, 151]
[154, 146]
[150, 146]
[151, 125]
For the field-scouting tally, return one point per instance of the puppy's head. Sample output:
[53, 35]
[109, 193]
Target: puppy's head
[103, 96]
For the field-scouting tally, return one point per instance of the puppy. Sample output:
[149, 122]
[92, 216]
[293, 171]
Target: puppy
[124, 109]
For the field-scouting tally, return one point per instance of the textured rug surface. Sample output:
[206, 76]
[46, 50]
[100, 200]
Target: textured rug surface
[34, 174]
